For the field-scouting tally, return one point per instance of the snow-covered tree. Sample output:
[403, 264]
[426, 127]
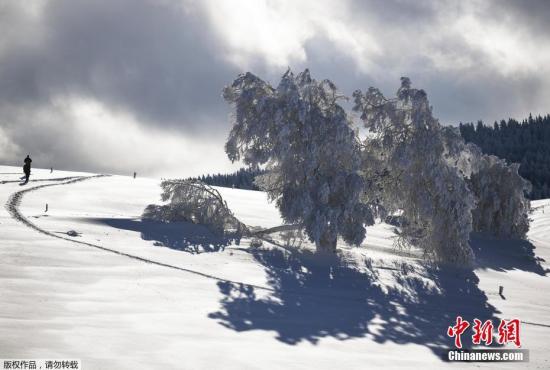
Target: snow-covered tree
[501, 208]
[405, 156]
[194, 201]
[304, 139]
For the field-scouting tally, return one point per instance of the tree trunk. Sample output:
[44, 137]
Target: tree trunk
[327, 243]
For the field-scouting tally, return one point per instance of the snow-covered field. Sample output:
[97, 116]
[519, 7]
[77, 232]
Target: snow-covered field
[127, 294]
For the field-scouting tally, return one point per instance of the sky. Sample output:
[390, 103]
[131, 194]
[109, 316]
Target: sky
[117, 86]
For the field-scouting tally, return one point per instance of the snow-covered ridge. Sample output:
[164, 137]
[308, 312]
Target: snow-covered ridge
[372, 305]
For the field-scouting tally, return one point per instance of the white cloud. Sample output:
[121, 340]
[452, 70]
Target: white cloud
[509, 47]
[7, 146]
[127, 145]
[277, 31]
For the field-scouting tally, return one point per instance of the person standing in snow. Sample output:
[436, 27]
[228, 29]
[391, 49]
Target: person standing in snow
[27, 168]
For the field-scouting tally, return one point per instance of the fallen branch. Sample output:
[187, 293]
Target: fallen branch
[277, 229]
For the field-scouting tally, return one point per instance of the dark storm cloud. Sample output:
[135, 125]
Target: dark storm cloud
[533, 14]
[153, 58]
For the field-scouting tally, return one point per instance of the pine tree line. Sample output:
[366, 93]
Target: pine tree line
[241, 179]
[526, 142]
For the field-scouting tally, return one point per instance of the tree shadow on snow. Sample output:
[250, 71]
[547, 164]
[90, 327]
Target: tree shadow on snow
[182, 236]
[506, 254]
[315, 298]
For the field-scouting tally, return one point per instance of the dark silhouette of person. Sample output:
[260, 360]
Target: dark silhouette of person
[27, 168]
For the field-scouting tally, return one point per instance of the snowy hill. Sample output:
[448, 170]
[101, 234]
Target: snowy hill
[88, 279]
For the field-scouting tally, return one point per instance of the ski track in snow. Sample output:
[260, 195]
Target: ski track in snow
[48, 180]
[12, 206]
